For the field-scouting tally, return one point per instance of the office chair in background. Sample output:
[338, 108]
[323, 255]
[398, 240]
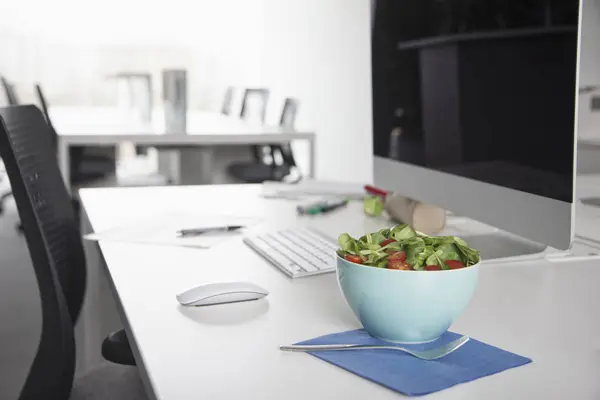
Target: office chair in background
[266, 166]
[85, 168]
[254, 107]
[56, 249]
[288, 121]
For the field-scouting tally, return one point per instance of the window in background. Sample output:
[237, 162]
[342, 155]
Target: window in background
[70, 47]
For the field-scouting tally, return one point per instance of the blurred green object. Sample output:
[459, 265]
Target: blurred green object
[373, 206]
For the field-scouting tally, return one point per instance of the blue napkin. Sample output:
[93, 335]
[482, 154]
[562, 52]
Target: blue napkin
[409, 375]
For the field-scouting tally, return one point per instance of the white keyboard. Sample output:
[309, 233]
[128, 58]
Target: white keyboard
[297, 252]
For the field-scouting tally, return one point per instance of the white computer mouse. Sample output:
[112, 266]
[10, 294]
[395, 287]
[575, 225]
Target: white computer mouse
[221, 292]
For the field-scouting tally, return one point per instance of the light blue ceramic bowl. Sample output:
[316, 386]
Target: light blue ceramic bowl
[406, 306]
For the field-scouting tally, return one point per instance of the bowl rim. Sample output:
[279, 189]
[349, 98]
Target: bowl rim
[407, 271]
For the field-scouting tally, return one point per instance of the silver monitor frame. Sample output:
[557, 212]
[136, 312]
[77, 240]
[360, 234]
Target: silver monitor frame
[540, 219]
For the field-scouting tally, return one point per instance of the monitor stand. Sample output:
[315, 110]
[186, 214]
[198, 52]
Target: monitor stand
[494, 244]
[497, 246]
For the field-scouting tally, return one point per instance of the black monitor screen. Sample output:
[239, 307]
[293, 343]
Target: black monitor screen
[483, 89]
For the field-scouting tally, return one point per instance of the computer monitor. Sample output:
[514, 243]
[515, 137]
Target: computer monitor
[474, 110]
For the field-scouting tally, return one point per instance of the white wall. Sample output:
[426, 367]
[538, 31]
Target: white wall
[319, 52]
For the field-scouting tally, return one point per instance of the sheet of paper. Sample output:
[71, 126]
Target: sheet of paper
[162, 230]
[308, 188]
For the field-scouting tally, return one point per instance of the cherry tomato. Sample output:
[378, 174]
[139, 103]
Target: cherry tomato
[397, 256]
[433, 268]
[399, 264]
[353, 258]
[386, 242]
[454, 264]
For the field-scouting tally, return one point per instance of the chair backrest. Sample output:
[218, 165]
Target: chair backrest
[59, 223]
[9, 91]
[255, 96]
[259, 98]
[54, 244]
[227, 101]
[288, 121]
[44, 104]
[288, 113]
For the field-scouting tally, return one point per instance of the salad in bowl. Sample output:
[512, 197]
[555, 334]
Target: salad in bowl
[405, 286]
[402, 248]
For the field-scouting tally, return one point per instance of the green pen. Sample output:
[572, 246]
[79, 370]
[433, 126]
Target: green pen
[321, 207]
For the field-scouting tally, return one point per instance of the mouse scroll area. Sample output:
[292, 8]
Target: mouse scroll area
[225, 298]
[221, 293]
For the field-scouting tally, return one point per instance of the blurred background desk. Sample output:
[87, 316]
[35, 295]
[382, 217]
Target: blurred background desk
[98, 126]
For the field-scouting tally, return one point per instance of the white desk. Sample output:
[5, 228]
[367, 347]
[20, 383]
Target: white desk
[541, 310]
[97, 126]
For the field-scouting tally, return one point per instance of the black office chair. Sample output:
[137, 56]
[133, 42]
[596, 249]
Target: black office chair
[260, 153]
[262, 97]
[287, 120]
[115, 347]
[267, 168]
[84, 167]
[56, 252]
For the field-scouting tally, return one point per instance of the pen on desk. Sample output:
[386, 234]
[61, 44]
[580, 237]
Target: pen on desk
[321, 207]
[333, 206]
[311, 209]
[200, 231]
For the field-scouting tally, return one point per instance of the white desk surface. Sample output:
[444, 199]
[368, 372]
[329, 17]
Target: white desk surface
[541, 310]
[107, 125]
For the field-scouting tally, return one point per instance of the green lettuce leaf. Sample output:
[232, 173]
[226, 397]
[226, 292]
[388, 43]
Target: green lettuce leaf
[402, 232]
[348, 244]
[415, 249]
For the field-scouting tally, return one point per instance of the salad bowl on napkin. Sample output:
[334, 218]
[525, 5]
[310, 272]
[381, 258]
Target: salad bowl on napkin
[405, 286]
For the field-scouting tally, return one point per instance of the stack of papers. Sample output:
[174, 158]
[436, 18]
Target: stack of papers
[310, 188]
[162, 230]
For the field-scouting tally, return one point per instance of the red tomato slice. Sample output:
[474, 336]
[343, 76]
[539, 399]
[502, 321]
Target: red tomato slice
[386, 242]
[433, 268]
[398, 264]
[353, 258]
[454, 264]
[398, 256]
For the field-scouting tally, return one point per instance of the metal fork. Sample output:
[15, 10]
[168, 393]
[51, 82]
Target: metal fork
[430, 354]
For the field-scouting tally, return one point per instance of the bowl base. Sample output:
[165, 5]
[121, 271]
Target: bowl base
[406, 342]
